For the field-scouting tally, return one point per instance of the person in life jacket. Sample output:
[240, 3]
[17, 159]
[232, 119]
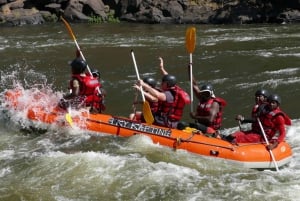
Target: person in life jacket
[261, 97]
[82, 87]
[273, 121]
[153, 101]
[172, 100]
[209, 112]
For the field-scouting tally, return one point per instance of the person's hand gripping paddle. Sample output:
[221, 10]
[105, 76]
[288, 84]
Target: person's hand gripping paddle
[146, 107]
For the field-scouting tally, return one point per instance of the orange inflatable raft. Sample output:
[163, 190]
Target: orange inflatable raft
[247, 155]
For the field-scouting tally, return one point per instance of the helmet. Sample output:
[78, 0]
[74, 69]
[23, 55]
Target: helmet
[170, 79]
[78, 66]
[150, 81]
[274, 97]
[206, 87]
[262, 92]
[95, 72]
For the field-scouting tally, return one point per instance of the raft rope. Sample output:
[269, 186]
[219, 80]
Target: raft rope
[179, 140]
[213, 145]
[176, 139]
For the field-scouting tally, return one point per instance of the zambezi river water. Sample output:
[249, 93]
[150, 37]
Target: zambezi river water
[66, 164]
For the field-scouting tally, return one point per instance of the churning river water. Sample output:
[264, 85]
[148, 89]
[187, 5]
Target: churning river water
[71, 165]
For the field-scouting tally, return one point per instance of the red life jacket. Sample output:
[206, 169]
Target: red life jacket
[203, 109]
[88, 84]
[154, 106]
[254, 110]
[257, 107]
[90, 90]
[268, 123]
[174, 110]
[255, 126]
[181, 99]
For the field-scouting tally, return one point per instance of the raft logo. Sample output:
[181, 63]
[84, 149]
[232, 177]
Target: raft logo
[139, 127]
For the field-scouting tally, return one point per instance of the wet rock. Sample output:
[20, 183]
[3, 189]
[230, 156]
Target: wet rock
[22, 16]
[18, 12]
[290, 16]
[74, 10]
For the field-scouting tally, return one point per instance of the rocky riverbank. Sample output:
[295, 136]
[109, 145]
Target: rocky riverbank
[21, 12]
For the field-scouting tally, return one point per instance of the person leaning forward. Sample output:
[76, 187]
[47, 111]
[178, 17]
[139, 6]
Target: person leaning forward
[83, 88]
[261, 97]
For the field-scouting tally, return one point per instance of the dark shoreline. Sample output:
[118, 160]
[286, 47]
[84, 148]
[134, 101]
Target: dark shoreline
[33, 12]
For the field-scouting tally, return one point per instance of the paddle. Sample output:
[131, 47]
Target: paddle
[266, 139]
[75, 41]
[146, 107]
[68, 115]
[190, 43]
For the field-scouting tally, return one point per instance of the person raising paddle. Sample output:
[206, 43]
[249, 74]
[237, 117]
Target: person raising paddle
[208, 115]
[209, 112]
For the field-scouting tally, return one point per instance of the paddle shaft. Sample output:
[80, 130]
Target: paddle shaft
[147, 113]
[191, 81]
[266, 139]
[137, 74]
[75, 41]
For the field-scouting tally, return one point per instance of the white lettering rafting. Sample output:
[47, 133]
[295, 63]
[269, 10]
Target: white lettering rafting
[139, 127]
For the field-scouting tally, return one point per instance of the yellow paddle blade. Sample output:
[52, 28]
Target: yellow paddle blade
[147, 113]
[69, 28]
[190, 39]
[69, 119]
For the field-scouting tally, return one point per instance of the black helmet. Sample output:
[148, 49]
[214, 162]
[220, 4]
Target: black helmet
[78, 66]
[262, 92]
[170, 79]
[274, 97]
[95, 72]
[150, 81]
[207, 87]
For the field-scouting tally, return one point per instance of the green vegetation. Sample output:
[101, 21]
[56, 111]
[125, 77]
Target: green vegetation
[95, 19]
[50, 17]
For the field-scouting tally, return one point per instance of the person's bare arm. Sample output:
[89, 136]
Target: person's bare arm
[161, 65]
